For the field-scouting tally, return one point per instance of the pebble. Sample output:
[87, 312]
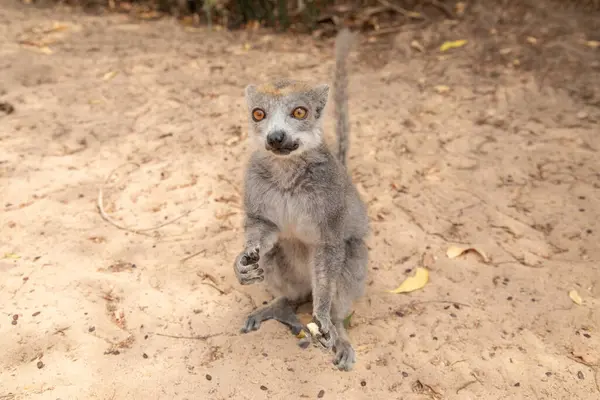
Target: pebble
[363, 383]
[208, 377]
[580, 375]
[321, 394]
[263, 387]
[40, 365]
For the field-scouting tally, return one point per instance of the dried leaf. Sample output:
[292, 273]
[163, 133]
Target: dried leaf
[442, 89]
[455, 251]
[594, 44]
[301, 334]
[12, 256]
[417, 46]
[452, 45]
[348, 320]
[417, 281]
[109, 75]
[575, 297]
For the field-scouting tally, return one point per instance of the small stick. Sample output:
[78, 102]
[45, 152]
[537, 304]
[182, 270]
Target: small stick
[142, 231]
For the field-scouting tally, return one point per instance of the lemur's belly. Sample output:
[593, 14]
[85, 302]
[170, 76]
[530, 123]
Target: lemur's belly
[288, 269]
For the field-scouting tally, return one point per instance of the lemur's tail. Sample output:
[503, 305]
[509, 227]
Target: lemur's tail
[343, 44]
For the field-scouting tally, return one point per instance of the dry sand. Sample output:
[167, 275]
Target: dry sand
[104, 313]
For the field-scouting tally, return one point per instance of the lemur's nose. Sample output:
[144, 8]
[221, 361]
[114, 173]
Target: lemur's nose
[275, 139]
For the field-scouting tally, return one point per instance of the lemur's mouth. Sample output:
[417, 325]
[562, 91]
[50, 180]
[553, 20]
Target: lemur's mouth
[284, 149]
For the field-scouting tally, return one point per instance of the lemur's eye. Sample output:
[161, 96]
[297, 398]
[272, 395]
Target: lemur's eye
[258, 114]
[299, 113]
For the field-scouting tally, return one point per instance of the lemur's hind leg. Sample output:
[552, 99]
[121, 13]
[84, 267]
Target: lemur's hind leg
[281, 309]
[350, 286]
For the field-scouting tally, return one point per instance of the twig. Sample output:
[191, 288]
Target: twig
[439, 301]
[466, 385]
[198, 337]
[212, 282]
[61, 330]
[132, 230]
[400, 10]
[192, 256]
[442, 7]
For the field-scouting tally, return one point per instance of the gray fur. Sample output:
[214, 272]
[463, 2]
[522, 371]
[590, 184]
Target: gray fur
[305, 224]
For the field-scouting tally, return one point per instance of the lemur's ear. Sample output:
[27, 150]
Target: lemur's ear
[320, 94]
[250, 91]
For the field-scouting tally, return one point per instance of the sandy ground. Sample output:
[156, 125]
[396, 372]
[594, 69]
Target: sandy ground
[102, 313]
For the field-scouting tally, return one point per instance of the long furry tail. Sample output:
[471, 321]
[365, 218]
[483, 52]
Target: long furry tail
[343, 44]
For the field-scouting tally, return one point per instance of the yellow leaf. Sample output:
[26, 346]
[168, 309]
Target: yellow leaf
[575, 297]
[442, 89]
[417, 281]
[531, 40]
[455, 251]
[12, 255]
[594, 44]
[301, 335]
[452, 45]
[109, 75]
[348, 320]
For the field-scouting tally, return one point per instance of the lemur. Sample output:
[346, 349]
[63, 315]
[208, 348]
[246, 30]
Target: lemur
[305, 224]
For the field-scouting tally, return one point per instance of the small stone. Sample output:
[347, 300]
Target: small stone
[580, 375]
[145, 355]
[548, 373]
[91, 329]
[15, 317]
[321, 394]
[587, 335]
[363, 383]
[14, 322]
[35, 314]
[263, 387]
[582, 115]
[517, 384]
[40, 365]
[412, 335]
[405, 374]
[453, 315]
[208, 377]
[145, 337]
[509, 298]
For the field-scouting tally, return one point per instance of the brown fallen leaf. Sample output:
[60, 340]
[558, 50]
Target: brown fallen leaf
[455, 251]
[412, 283]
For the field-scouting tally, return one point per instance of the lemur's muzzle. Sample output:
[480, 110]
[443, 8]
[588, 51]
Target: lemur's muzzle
[280, 143]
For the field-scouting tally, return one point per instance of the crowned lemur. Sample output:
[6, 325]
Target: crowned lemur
[305, 223]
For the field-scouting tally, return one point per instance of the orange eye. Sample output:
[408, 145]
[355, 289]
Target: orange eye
[258, 114]
[299, 113]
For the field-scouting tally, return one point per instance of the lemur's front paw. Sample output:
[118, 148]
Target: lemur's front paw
[324, 331]
[246, 267]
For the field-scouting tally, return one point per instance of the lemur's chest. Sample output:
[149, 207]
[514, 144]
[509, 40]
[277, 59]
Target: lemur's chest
[293, 215]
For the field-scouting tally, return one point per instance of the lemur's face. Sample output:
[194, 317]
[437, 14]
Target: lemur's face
[285, 116]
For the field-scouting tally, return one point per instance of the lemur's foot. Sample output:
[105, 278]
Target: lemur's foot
[279, 309]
